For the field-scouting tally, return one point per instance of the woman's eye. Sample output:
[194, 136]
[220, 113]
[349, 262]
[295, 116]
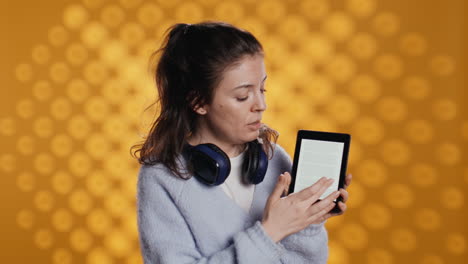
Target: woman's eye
[263, 90]
[242, 99]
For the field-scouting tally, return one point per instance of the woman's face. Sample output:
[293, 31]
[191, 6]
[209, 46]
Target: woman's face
[234, 116]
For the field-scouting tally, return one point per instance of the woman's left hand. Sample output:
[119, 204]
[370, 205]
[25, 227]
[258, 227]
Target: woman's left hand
[344, 194]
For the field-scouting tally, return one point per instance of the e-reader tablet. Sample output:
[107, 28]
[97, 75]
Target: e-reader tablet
[319, 154]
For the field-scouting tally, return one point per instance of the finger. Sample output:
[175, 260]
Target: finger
[287, 183]
[344, 195]
[316, 196]
[278, 190]
[342, 207]
[313, 189]
[328, 201]
[323, 213]
[348, 179]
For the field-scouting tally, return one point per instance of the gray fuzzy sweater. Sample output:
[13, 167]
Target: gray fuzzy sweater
[184, 221]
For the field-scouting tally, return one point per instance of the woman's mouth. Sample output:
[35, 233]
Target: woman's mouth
[255, 125]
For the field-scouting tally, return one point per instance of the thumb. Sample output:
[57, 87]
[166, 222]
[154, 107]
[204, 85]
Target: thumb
[278, 190]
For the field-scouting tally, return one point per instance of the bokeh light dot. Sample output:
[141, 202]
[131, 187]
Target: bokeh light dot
[314, 9]
[98, 255]
[395, 152]
[25, 108]
[343, 109]
[43, 238]
[392, 108]
[444, 109]
[26, 181]
[369, 130]
[118, 243]
[293, 28]
[150, 14]
[7, 126]
[448, 153]
[413, 44]
[61, 145]
[60, 108]
[419, 131]
[416, 87]
[96, 72]
[81, 240]
[399, 195]
[131, 34]
[62, 256]
[44, 200]
[112, 53]
[62, 182]
[62, 220]
[339, 26]
[98, 221]
[365, 88]
[80, 164]
[423, 175]
[338, 253]
[353, 236]
[372, 172]
[452, 197]
[361, 8]
[230, 11]
[44, 163]
[388, 66]
[93, 34]
[24, 72]
[58, 36]
[362, 45]
[43, 126]
[78, 90]
[79, 126]
[41, 54]
[25, 218]
[376, 216]
[455, 243]
[341, 68]
[75, 16]
[386, 24]
[403, 240]
[80, 202]
[97, 108]
[42, 90]
[98, 183]
[191, 12]
[359, 194]
[76, 54]
[270, 11]
[442, 65]
[379, 256]
[7, 162]
[427, 219]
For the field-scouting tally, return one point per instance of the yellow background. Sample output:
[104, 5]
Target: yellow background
[392, 73]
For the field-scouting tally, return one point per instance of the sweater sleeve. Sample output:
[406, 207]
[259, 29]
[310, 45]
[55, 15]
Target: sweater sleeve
[165, 237]
[309, 245]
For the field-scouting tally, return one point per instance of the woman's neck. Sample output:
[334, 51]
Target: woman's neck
[232, 150]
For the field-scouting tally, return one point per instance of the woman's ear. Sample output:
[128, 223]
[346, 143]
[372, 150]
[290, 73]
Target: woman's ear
[201, 110]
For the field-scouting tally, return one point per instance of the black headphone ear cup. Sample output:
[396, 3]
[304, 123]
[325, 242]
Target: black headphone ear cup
[210, 164]
[255, 163]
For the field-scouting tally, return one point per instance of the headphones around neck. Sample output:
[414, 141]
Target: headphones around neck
[212, 166]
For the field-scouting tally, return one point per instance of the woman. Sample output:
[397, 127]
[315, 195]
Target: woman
[210, 79]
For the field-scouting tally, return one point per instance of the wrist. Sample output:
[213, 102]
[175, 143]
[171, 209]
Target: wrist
[270, 231]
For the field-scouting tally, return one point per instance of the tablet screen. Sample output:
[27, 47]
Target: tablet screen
[318, 159]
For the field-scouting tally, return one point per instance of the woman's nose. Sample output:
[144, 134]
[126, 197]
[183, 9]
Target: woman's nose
[259, 103]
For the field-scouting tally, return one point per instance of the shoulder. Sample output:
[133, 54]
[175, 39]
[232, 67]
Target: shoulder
[159, 178]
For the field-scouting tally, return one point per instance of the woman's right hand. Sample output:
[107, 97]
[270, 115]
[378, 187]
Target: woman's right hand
[284, 216]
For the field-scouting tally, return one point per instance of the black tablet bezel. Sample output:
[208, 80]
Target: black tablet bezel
[323, 136]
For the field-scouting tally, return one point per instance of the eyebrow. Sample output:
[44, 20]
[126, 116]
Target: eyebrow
[247, 85]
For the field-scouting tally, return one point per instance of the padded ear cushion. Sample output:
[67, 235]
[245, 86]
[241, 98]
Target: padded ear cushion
[255, 163]
[210, 164]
